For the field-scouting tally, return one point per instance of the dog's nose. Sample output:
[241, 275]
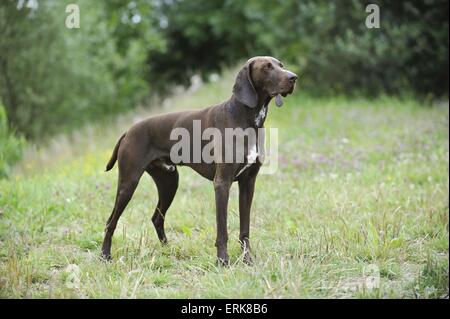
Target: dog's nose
[292, 76]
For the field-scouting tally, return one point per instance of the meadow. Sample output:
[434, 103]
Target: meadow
[358, 208]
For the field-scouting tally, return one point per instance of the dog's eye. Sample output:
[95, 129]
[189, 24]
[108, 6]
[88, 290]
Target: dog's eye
[268, 66]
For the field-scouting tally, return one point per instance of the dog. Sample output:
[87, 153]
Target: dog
[146, 147]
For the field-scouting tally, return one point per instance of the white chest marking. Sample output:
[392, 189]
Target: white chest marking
[260, 116]
[251, 159]
[253, 151]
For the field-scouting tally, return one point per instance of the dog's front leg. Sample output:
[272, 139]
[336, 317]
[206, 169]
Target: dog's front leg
[222, 184]
[246, 190]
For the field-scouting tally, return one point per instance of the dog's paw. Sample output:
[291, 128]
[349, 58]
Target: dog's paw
[223, 261]
[248, 259]
[105, 256]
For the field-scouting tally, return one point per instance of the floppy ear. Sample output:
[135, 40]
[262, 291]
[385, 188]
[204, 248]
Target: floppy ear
[243, 88]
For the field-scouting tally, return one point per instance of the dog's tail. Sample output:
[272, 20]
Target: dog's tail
[113, 158]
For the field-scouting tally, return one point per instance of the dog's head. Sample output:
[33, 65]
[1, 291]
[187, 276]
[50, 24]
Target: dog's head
[263, 75]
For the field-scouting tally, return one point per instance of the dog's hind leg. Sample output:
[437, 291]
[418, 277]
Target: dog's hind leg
[167, 185]
[129, 176]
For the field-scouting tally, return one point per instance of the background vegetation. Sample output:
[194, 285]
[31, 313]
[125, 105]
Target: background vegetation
[10, 146]
[53, 78]
[364, 158]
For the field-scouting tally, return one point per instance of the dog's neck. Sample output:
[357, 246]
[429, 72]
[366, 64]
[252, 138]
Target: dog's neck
[255, 116]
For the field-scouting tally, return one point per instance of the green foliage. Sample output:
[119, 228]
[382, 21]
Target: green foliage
[11, 146]
[327, 42]
[433, 280]
[53, 78]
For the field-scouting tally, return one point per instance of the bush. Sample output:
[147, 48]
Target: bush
[11, 146]
[327, 43]
[53, 78]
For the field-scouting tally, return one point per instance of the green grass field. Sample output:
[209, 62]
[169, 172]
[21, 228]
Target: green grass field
[362, 188]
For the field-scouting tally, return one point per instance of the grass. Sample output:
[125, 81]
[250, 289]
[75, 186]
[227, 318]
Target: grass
[360, 196]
